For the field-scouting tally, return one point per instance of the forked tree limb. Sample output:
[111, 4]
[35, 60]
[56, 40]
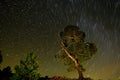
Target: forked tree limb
[74, 60]
[69, 55]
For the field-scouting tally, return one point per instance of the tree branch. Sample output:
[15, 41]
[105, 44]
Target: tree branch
[69, 55]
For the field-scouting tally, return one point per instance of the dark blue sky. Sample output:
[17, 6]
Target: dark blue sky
[34, 25]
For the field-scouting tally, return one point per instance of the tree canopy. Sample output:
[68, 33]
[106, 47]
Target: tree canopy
[74, 42]
[0, 57]
[28, 68]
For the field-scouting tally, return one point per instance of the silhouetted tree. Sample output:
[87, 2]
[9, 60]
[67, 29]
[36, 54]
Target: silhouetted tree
[0, 57]
[0, 64]
[28, 69]
[6, 73]
[75, 50]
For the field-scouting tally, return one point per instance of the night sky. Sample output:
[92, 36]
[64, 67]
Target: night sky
[34, 25]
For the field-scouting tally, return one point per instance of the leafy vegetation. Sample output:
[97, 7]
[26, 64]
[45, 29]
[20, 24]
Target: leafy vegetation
[75, 50]
[28, 69]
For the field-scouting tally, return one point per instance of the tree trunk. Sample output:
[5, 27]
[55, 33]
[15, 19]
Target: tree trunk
[80, 73]
[75, 62]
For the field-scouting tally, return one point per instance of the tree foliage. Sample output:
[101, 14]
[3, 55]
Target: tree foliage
[0, 57]
[74, 41]
[28, 68]
[6, 73]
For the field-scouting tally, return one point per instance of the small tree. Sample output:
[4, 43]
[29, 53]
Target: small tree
[6, 73]
[28, 69]
[0, 57]
[75, 50]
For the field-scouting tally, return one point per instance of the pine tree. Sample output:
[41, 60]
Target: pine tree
[75, 50]
[28, 69]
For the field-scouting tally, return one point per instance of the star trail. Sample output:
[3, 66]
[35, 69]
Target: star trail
[34, 26]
